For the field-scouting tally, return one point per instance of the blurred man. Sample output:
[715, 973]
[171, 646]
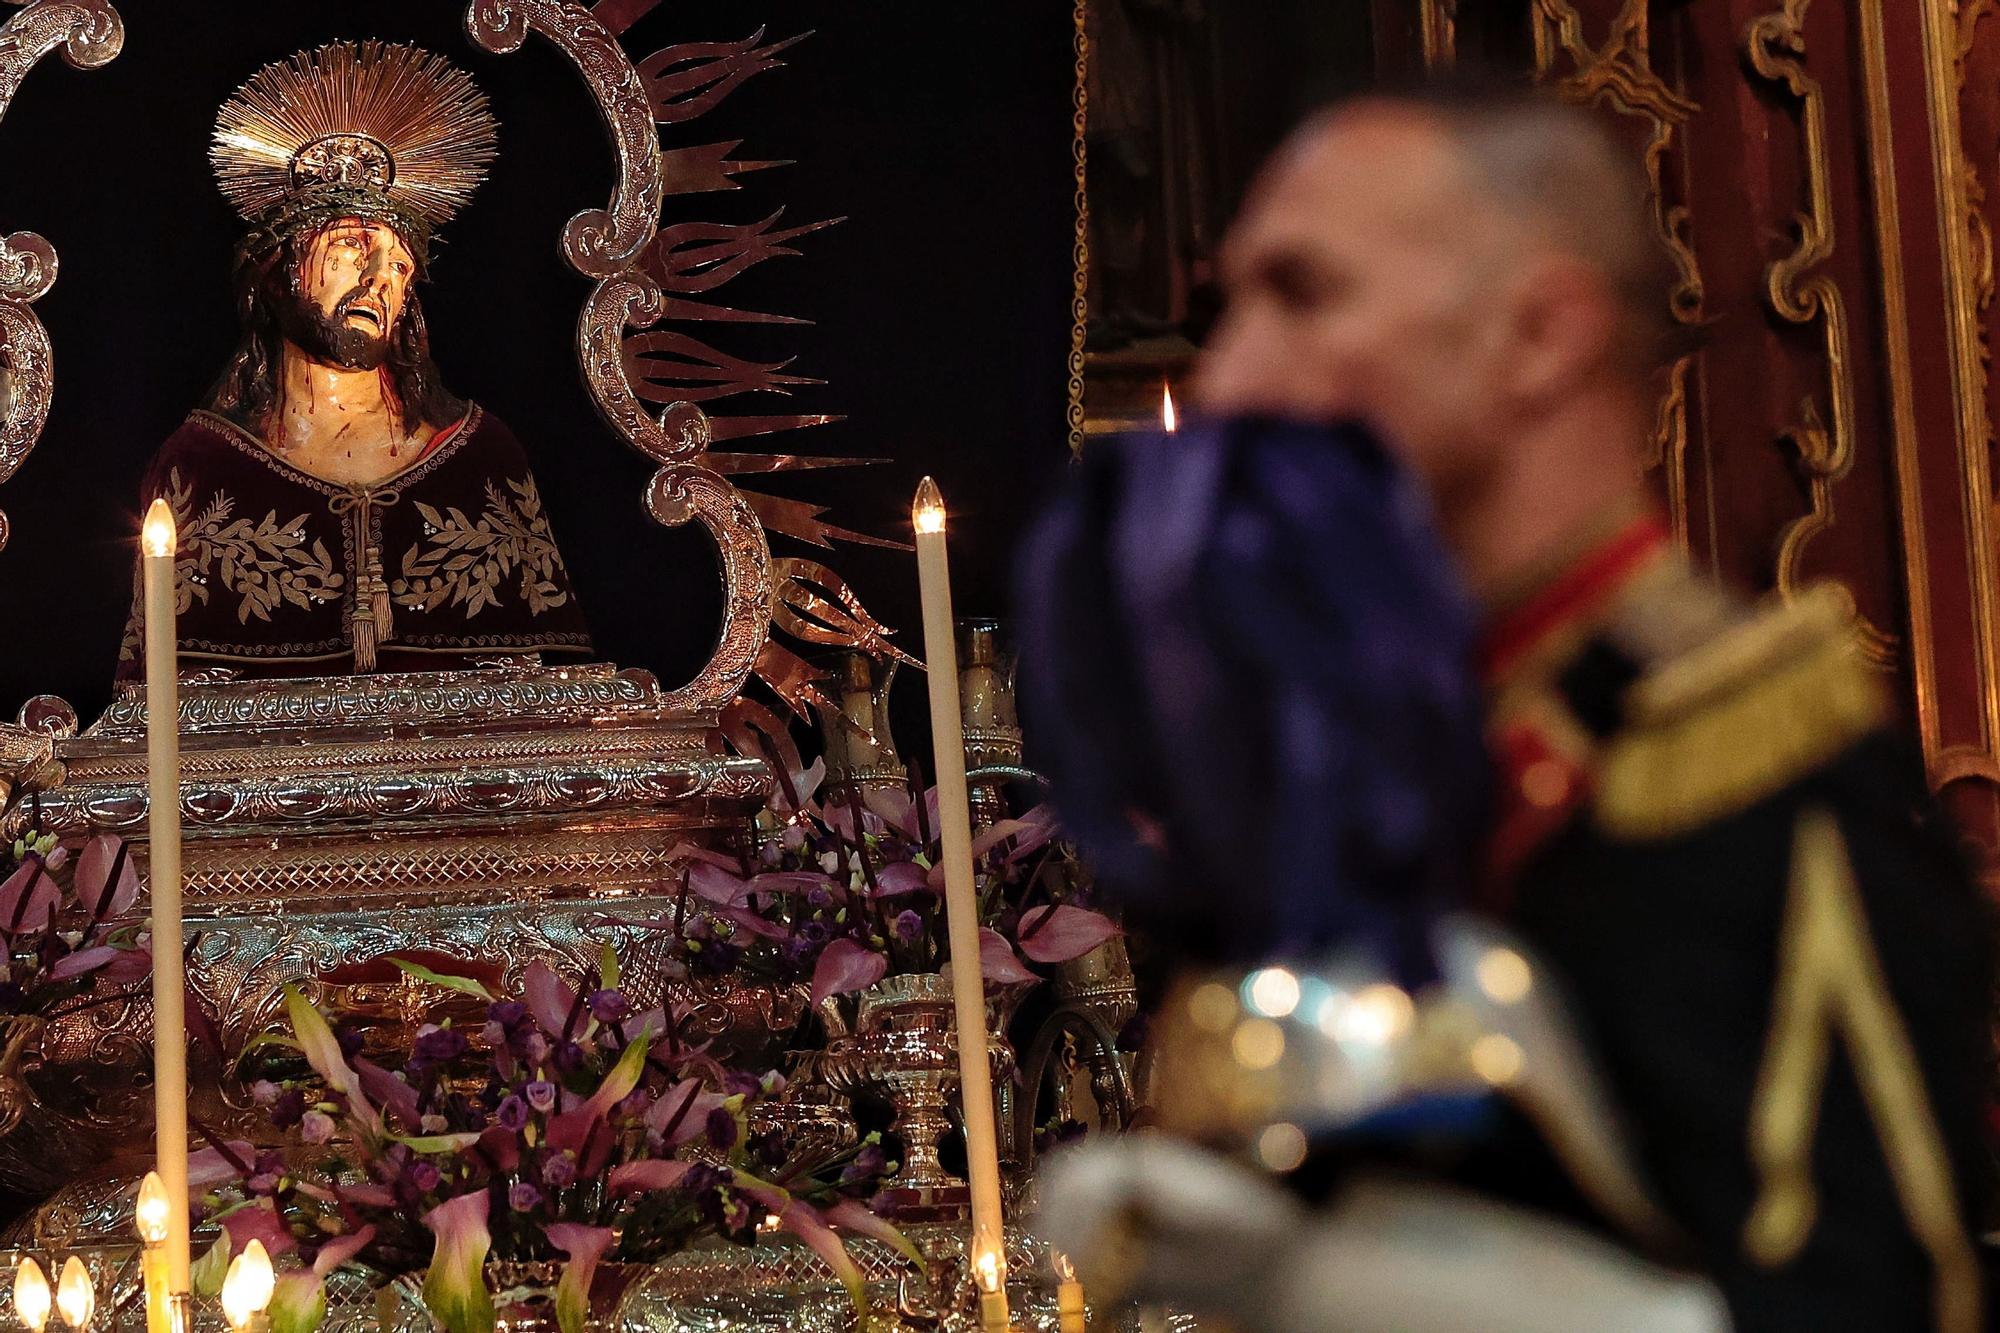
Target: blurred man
[1704, 826]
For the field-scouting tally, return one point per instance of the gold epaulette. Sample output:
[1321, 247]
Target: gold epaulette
[1735, 718]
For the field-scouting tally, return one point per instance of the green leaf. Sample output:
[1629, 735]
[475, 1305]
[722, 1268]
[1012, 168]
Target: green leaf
[437, 1143]
[463, 985]
[206, 1273]
[298, 1304]
[624, 1077]
[607, 967]
[271, 1039]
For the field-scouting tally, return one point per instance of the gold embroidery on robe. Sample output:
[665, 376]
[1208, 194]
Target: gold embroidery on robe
[467, 562]
[265, 563]
[1830, 984]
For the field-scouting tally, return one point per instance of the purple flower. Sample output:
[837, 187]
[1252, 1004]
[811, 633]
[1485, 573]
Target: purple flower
[868, 1166]
[265, 1173]
[264, 1092]
[720, 959]
[462, 1111]
[721, 1128]
[316, 1127]
[609, 1006]
[818, 898]
[509, 1014]
[513, 1113]
[436, 1045]
[736, 1083]
[533, 1047]
[635, 1103]
[558, 1170]
[815, 932]
[522, 1197]
[541, 1095]
[288, 1109]
[909, 927]
[424, 1176]
[1058, 1132]
[567, 1058]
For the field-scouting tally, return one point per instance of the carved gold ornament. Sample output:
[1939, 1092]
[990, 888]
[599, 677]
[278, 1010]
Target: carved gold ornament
[1620, 74]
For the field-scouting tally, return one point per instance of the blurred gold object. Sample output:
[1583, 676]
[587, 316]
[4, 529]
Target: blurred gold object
[992, 730]
[860, 747]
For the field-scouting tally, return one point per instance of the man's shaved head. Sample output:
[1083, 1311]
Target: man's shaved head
[1472, 272]
[1562, 171]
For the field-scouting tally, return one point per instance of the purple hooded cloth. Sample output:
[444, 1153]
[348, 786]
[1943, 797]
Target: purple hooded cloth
[1247, 667]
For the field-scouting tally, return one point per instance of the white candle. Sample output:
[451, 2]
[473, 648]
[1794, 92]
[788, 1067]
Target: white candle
[975, 1074]
[163, 885]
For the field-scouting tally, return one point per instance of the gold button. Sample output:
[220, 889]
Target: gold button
[1545, 783]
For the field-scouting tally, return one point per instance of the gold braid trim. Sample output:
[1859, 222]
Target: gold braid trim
[1737, 719]
[1830, 983]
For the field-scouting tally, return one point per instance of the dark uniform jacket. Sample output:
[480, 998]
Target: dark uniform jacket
[1729, 858]
[282, 573]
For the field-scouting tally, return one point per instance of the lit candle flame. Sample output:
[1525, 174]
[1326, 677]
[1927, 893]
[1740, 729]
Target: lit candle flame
[150, 1217]
[928, 511]
[247, 1287]
[157, 536]
[1169, 418]
[76, 1298]
[989, 1270]
[31, 1294]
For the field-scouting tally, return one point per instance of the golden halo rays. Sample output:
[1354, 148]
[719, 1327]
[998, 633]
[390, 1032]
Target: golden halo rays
[395, 118]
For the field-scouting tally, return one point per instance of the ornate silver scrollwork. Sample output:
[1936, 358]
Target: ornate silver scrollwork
[680, 492]
[633, 300]
[599, 242]
[603, 243]
[90, 34]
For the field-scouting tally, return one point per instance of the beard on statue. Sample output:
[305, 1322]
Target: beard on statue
[401, 526]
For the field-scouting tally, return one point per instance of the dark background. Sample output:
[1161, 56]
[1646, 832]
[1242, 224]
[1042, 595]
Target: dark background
[941, 305]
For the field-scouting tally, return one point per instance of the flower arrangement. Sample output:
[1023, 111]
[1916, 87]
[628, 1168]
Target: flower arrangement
[850, 890]
[570, 1128]
[60, 910]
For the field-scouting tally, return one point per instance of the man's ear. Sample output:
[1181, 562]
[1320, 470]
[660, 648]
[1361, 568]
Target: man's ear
[1562, 322]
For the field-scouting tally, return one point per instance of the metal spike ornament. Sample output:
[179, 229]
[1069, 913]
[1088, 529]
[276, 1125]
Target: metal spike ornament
[691, 260]
[370, 129]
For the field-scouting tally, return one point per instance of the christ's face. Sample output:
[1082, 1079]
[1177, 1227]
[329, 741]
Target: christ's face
[357, 276]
